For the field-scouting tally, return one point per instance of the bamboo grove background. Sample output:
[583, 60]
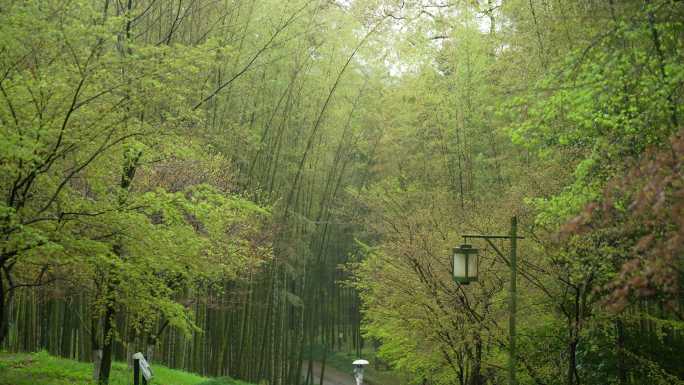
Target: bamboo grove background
[275, 125]
[252, 333]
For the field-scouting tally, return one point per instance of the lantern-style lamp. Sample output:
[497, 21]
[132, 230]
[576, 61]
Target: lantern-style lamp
[465, 264]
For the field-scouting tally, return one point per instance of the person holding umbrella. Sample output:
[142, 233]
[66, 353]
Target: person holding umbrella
[358, 370]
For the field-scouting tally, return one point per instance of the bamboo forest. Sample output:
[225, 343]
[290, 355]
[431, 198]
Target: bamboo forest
[341, 192]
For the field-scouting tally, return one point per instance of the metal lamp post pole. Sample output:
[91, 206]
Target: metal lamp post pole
[512, 290]
[513, 358]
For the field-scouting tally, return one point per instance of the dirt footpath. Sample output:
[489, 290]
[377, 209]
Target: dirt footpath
[332, 376]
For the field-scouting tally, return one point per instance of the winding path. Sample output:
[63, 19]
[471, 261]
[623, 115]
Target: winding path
[331, 376]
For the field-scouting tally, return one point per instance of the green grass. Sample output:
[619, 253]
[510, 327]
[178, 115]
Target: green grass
[44, 369]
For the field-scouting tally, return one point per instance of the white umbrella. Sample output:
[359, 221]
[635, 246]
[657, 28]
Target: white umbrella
[360, 362]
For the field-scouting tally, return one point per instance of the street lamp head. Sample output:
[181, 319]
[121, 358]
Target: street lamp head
[465, 264]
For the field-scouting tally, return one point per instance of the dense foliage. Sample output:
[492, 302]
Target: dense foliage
[239, 187]
[566, 114]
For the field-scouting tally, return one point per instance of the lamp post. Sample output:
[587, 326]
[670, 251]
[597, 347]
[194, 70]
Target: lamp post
[465, 264]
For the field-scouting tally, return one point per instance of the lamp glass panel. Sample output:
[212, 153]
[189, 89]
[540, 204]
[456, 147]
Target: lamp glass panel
[460, 264]
[473, 265]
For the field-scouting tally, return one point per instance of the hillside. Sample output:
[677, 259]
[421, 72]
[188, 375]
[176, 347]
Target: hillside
[43, 369]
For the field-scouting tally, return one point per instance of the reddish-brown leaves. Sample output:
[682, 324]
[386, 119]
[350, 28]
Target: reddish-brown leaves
[652, 224]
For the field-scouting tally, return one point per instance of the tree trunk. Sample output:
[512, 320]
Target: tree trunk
[325, 357]
[476, 375]
[149, 353]
[97, 363]
[620, 345]
[106, 364]
[96, 351]
[572, 361]
[5, 298]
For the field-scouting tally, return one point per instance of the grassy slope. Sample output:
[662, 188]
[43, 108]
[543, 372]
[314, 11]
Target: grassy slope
[44, 369]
